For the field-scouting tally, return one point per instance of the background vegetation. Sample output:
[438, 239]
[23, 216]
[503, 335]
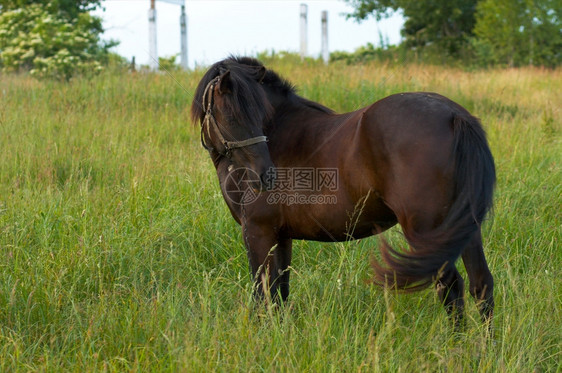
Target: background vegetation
[60, 39]
[54, 39]
[118, 252]
[473, 32]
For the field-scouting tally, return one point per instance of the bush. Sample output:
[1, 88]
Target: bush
[50, 45]
[168, 63]
[367, 53]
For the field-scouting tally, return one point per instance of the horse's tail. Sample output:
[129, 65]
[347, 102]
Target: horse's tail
[431, 251]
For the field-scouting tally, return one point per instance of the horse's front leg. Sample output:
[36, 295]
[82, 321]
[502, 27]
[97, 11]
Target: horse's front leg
[269, 256]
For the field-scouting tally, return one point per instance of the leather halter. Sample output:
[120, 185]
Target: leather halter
[210, 122]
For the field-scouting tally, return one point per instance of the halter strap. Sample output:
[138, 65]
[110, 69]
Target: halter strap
[210, 122]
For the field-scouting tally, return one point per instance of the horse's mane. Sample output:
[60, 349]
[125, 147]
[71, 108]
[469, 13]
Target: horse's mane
[249, 103]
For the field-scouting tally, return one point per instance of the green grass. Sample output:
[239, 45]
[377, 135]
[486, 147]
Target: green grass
[119, 254]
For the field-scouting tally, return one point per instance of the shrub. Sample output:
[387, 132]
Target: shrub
[50, 45]
[168, 63]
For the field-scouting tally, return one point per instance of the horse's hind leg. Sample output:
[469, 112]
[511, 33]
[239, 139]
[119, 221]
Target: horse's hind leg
[481, 280]
[450, 288]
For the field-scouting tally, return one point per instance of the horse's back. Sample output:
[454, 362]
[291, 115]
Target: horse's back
[419, 102]
[409, 129]
[417, 112]
[411, 135]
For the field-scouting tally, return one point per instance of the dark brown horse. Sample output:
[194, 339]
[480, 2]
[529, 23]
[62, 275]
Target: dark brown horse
[290, 168]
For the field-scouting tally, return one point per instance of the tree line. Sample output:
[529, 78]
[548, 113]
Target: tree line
[483, 32]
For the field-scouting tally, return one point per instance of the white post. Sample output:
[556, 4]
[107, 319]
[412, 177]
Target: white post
[152, 50]
[325, 51]
[183, 31]
[304, 11]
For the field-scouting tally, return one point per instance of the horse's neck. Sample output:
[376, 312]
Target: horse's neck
[300, 118]
[300, 130]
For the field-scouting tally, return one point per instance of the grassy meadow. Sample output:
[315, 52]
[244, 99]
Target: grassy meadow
[118, 252]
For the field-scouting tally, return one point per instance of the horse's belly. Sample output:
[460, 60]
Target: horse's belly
[338, 223]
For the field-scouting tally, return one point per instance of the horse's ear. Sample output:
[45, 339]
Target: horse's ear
[225, 83]
[261, 74]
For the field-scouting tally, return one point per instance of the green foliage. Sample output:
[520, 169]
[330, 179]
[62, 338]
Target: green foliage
[519, 32]
[365, 54]
[485, 32]
[444, 23]
[399, 54]
[168, 63]
[69, 9]
[50, 45]
[363, 9]
[287, 58]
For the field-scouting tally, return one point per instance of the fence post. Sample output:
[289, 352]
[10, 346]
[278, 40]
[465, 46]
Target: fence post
[183, 31]
[152, 50]
[303, 29]
[325, 51]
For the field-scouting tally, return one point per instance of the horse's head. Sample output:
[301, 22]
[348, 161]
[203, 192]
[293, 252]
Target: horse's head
[233, 109]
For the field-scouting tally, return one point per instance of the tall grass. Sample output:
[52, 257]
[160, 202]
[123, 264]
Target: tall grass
[118, 252]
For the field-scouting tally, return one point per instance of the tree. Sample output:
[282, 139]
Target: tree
[379, 8]
[446, 24]
[508, 32]
[50, 45]
[519, 32]
[69, 9]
